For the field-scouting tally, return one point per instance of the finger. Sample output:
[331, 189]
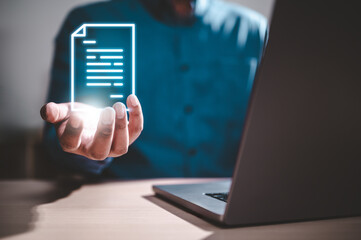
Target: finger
[135, 118]
[101, 144]
[121, 136]
[55, 113]
[70, 138]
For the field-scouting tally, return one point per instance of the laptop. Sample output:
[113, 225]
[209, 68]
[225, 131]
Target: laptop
[300, 152]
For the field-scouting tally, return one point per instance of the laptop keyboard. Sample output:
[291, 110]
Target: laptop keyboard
[220, 196]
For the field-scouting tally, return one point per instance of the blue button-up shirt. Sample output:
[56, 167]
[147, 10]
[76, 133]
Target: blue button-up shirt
[193, 82]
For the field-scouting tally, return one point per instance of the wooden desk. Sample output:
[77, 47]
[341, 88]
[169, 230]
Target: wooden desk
[128, 210]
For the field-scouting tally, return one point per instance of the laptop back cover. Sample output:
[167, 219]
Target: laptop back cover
[300, 154]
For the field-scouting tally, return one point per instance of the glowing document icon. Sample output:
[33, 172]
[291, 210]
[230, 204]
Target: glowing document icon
[102, 64]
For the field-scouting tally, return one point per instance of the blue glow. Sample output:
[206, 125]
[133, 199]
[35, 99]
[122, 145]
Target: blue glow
[104, 70]
[111, 57]
[104, 77]
[98, 84]
[104, 50]
[89, 42]
[82, 32]
[98, 64]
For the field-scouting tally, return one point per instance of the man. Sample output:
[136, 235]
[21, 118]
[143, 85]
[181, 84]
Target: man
[196, 62]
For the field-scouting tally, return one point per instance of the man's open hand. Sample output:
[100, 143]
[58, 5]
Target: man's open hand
[111, 135]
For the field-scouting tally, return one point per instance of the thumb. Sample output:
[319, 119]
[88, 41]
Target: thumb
[54, 113]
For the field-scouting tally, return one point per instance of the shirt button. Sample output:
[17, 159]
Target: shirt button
[192, 152]
[184, 67]
[188, 109]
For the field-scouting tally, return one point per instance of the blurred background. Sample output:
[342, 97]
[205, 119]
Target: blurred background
[27, 32]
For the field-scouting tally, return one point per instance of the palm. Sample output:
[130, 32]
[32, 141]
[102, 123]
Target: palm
[96, 134]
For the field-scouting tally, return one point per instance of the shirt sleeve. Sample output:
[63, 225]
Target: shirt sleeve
[59, 91]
